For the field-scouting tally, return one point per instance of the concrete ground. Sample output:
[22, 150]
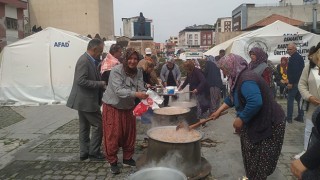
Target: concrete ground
[42, 143]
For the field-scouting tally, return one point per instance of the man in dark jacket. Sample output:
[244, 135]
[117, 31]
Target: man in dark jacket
[295, 67]
[85, 96]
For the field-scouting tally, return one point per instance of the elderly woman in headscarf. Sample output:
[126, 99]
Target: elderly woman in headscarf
[119, 124]
[198, 86]
[260, 120]
[259, 64]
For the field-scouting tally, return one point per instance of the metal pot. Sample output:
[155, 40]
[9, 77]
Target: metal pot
[169, 116]
[158, 173]
[191, 117]
[185, 156]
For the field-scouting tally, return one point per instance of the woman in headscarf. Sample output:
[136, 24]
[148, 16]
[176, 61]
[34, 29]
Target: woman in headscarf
[259, 119]
[119, 124]
[259, 64]
[282, 80]
[198, 85]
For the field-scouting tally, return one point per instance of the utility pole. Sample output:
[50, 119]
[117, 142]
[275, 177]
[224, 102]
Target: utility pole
[314, 19]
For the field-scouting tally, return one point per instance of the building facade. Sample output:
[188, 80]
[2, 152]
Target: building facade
[247, 14]
[197, 36]
[81, 16]
[12, 18]
[224, 24]
[174, 39]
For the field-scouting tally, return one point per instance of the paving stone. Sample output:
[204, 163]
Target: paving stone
[8, 116]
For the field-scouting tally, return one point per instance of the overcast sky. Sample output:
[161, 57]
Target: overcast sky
[171, 16]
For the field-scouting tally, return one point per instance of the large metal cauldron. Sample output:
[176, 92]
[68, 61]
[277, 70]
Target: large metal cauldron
[167, 116]
[184, 156]
[158, 173]
[191, 117]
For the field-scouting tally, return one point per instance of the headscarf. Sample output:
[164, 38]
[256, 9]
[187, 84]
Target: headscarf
[108, 63]
[285, 59]
[130, 71]
[189, 66]
[211, 58]
[234, 65]
[262, 57]
[284, 66]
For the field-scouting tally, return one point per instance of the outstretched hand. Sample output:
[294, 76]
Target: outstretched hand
[142, 95]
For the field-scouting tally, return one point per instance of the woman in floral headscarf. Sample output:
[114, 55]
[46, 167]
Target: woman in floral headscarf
[259, 119]
[119, 124]
[259, 64]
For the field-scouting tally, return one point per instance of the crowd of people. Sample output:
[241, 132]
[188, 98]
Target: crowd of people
[120, 81]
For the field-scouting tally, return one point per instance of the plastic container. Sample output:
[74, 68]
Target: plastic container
[170, 90]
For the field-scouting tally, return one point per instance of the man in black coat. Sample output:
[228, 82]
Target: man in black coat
[295, 67]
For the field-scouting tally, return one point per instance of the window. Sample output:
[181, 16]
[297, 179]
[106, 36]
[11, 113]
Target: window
[190, 36]
[209, 36]
[204, 42]
[190, 42]
[196, 42]
[196, 36]
[209, 42]
[204, 36]
[11, 23]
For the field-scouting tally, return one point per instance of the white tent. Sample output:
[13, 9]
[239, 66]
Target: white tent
[39, 69]
[273, 38]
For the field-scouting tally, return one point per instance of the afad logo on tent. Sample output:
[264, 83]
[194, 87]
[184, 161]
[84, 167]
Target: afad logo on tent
[61, 44]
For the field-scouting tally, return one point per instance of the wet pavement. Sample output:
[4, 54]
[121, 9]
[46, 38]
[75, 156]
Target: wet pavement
[42, 143]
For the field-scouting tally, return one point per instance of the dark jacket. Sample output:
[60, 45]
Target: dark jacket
[196, 80]
[87, 88]
[295, 67]
[212, 74]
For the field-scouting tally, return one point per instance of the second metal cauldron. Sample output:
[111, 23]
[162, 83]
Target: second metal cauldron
[191, 117]
[167, 116]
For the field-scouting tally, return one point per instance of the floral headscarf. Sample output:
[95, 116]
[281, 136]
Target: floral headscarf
[130, 71]
[232, 64]
[262, 57]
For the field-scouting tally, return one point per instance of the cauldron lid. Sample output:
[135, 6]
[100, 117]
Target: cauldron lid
[171, 111]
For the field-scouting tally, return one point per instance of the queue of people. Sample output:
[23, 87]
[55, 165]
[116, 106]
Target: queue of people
[260, 121]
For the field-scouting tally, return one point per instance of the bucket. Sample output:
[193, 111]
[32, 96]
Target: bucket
[158, 173]
[170, 90]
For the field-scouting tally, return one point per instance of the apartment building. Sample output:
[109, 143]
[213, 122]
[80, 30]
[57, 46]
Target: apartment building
[80, 16]
[11, 14]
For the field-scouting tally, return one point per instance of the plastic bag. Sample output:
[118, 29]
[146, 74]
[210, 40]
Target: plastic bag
[152, 101]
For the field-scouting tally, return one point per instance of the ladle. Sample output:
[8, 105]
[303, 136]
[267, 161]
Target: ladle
[184, 125]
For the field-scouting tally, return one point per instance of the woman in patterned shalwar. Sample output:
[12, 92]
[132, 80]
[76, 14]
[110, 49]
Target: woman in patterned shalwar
[119, 124]
[260, 121]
